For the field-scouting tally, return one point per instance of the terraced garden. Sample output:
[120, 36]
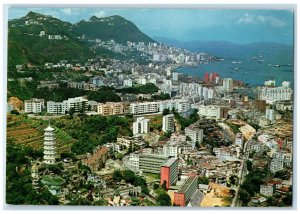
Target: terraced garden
[30, 132]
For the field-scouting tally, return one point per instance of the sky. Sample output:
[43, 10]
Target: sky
[235, 25]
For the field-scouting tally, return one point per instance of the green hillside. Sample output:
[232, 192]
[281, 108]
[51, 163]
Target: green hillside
[28, 38]
[112, 27]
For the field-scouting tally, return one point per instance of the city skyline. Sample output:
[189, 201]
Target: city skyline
[139, 121]
[236, 26]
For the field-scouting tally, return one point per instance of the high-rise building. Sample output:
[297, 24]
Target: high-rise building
[186, 191]
[169, 172]
[213, 111]
[171, 150]
[274, 94]
[34, 105]
[97, 81]
[168, 123]
[228, 84]
[127, 83]
[141, 126]
[175, 76]
[49, 145]
[206, 77]
[144, 107]
[270, 115]
[195, 134]
[151, 163]
[110, 108]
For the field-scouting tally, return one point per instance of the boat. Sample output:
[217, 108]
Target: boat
[277, 65]
[233, 62]
[261, 60]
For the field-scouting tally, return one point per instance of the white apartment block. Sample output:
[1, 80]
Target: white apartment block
[171, 150]
[56, 107]
[274, 94]
[127, 83]
[168, 123]
[34, 105]
[141, 126]
[196, 89]
[180, 105]
[228, 84]
[270, 115]
[208, 93]
[134, 159]
[195, 134]
[175, 76]
[142, 81]
[144, 107]
[266, 190]
[210, 111]
[77, 103]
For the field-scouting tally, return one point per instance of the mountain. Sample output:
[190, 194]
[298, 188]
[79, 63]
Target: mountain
[37, 38]
[25, 44]
[228, 49]
[112, 27]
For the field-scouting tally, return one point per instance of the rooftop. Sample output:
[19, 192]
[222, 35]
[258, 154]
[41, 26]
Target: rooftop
[187, 184]
[170, 162]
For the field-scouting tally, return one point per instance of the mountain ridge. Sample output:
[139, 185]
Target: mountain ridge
[38, 38]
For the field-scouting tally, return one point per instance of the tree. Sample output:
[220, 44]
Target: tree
[117, 175]
[164, 200]
[249, 165]
[129, 176]
[164, 185]
[282, 174]
[155, 186]
[166, 111]
[71, 111]
[203, 180]
[244, 196]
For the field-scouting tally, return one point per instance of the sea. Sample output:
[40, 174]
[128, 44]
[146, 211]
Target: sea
[253, 70]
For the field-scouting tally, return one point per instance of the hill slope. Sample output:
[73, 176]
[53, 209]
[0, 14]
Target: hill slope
[112, 27]
[26, 44]
[37, 38]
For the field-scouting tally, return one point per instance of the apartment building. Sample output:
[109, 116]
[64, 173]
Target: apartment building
[110, 108]
[186, 191]
[194, 133]
[34, 105]
[151, 163]
[169, 172]
[141, 126]
[168, 123]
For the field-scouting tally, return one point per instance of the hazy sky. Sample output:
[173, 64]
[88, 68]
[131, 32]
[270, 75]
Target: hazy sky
[237, 26]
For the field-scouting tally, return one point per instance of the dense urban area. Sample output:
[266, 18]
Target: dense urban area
[107, 120]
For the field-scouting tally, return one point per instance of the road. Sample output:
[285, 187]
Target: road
[243, 172]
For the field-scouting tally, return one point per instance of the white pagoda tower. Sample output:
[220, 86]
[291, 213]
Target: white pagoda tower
[49, 145]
